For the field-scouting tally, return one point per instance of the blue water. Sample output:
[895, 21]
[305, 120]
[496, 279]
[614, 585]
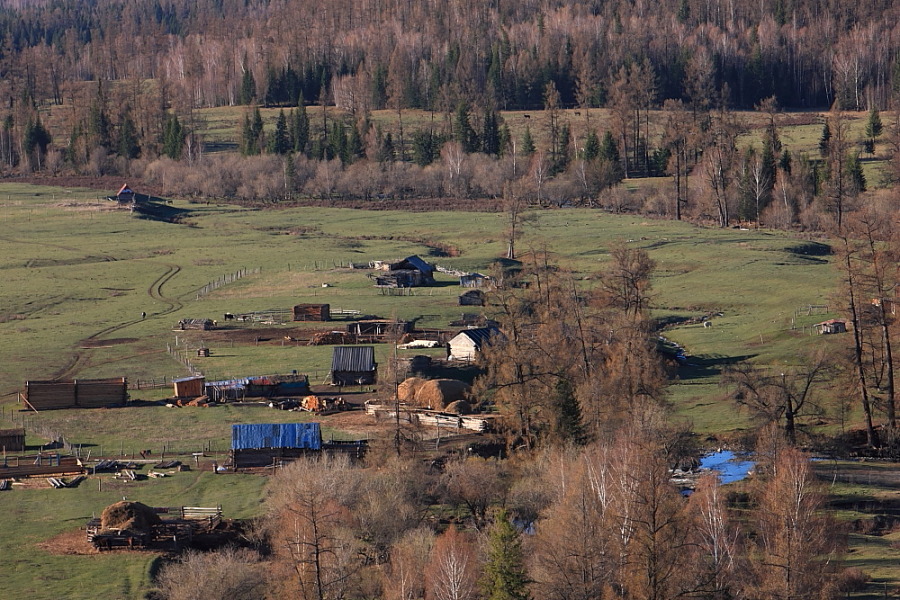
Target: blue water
[730, 466]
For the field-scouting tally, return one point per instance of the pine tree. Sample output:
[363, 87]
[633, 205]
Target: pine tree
[609, 150]
[527, 142]
[504, 576]
[280, 143]
[591, 148]
[874, 128]
[490, 134]
[825, 139]
[128, 145]
[386, 148]
[248, 88]
[300, 127]
[35, 140]
[856, 177]
[424, 147]
[99, 126]
[173, 137]
[462, 129]
[569, 426]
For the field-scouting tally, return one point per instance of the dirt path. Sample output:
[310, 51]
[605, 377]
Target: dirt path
[80, 358]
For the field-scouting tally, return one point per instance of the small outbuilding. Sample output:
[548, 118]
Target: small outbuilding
[469, 342]
[189, 387]
[831, 326]
[353, 365]
[472, 298]
[312, 312]
[198, 324]
[475, 280]
[263, 445]
[412, 271]
[125, 195]
[12, 440]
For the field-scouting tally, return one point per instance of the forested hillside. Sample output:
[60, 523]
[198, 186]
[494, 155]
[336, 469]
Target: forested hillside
[372, 54]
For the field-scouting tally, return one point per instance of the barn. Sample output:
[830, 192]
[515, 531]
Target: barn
[312, 312]
[468, 343]
[264, 445]
[412, 271]
[353, 365]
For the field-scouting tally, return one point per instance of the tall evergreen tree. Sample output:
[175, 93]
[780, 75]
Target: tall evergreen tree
[300, 127]
[252, 139]
[874, 128]
[462, 129]
[280, 142]
[825, 139]
[173, 137]
[591, 148]
[247, 93]
[35, 140]
[128, 145]
[505, 577]
[490, 134]
[527, 142]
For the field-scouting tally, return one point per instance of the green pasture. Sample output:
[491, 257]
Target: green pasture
[76, 277]
[34, 516]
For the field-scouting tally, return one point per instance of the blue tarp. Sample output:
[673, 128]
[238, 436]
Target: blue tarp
[279, 435]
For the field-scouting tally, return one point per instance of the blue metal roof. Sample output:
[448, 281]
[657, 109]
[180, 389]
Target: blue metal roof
[277, 435]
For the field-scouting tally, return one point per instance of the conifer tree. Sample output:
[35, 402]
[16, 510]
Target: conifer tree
[300, 127]
[173, 137]
[527, 142]
[281, 142]
[504, 577]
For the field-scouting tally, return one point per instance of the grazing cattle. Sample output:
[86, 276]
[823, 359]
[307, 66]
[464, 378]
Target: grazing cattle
[577, 113]
[707, 324]
[143, 315]
[229, 316]
[527, 116]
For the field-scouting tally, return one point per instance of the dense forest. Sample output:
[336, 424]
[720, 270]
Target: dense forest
[372, 54]
[90, 87]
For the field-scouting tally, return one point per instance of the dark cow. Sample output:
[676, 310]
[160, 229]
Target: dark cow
[229, 316]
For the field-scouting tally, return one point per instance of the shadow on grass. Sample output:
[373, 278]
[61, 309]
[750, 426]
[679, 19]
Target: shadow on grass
[158, 209]
[708, 365]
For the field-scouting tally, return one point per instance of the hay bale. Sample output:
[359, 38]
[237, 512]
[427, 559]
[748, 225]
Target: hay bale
[407, 389]
[459, 407]
[438, 393]
[128, 516]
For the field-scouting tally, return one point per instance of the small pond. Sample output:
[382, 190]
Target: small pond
[730, 465]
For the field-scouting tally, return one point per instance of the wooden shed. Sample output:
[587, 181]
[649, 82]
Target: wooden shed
[12, 440]
[199, 324]
[312, 312]
[379, 327]
[80, 393]
[469, 342]
[831, 326]
[472, 298]
[189, 387]
[353, 365]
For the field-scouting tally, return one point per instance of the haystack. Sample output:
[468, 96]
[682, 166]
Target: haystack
[128, 516]
[460, 407]
[438, 393]
[407, 389]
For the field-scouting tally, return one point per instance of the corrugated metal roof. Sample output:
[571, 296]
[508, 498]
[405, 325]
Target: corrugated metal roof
[183, 379]
[276, 435]
[353, 358]
[481, 335]
[419, 264]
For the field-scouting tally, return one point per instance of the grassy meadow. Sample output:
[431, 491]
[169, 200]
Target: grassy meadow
[77, 275]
